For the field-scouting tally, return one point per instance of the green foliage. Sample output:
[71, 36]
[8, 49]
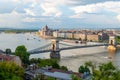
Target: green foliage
[21, 51]
[8, 51]
[107, 66]
[64, 68]
[90, 65]
[34, 60]
[10, 71]
[106, 72]
[45, 62]
[50, 78]
[83, 69]
[118, 39]
[74, 77]
[117, 75]
[56, 65]
[48, 62]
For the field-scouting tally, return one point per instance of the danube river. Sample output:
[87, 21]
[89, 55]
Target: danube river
[70, 58]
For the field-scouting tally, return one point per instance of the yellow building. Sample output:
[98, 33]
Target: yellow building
[55, 34]
[93, 37]
[70, 35]
[80, 36]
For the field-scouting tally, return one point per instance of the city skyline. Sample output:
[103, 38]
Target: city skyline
[36, 14]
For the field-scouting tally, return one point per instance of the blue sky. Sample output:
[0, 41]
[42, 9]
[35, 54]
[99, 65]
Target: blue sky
[60, 13]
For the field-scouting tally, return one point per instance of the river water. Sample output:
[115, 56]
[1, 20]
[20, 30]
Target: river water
[70, 58]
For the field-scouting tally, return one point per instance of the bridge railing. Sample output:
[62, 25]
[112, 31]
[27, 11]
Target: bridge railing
[45, 47]
[83, 46]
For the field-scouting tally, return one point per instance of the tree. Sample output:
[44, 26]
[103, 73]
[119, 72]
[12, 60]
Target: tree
[10, 71]
[106, 71]
[83, 69]
[21, 51]
[118, 39]
[8, 51]
[90, 65]
[117, 75]
[64, 68]
[74, 77]
[56, 65]
[33, 60]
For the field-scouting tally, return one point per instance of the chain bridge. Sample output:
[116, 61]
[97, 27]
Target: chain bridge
[63, 46]
[56, 46]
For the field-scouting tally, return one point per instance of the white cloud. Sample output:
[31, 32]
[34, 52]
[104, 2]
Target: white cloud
[33, 4]
[118, 17]
[15, 0]
[28, 1]
[109, 6]
[50, 9]
[76, 16]
[43, 8]
[27, 19]
[29, 12]
[12, 19]
[39, 19]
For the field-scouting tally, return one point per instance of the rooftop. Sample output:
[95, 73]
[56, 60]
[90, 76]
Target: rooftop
[56, 73]
[6, 57]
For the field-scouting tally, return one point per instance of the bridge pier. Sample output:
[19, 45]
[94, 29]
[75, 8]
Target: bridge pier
[55, 53]
[112, 44]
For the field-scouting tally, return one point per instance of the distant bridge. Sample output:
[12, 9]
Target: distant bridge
[55, 47]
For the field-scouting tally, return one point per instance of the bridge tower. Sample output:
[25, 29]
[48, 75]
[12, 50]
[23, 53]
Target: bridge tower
[55, 53]
[112, 40]
[112, 43]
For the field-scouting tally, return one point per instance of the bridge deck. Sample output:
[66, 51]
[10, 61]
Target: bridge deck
[66, 48]
[75, 47]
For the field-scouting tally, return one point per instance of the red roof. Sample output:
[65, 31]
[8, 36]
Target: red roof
[6, 57]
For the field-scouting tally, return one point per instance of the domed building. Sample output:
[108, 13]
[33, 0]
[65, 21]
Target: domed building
[45, 32]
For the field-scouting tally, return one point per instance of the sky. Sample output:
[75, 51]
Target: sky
[35, 14]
